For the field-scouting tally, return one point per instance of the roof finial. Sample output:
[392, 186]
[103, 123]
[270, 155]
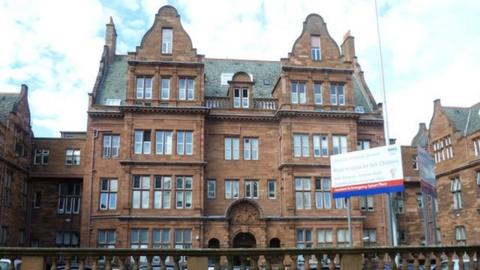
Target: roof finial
[111, 20]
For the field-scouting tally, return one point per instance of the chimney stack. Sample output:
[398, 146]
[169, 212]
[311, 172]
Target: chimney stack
[111, 40]
[348, 47]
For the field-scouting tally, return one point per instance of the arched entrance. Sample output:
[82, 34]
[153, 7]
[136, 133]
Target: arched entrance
[213, 243]
[244, 240]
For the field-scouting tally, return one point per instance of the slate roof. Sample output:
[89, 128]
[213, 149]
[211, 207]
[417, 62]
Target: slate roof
[421, 138]
[465, 120]
[7, 104]
[265, 74]
[114, 83]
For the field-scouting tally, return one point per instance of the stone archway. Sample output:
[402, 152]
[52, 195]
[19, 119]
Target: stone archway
[244, 240]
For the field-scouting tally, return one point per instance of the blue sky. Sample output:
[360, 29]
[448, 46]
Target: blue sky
[431, 47]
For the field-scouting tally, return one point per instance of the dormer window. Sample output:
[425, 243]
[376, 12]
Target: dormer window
[316, 53]
[167, 40]
[240, 98]
[144, 88]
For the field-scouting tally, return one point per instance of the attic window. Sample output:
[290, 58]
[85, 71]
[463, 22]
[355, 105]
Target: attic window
[315, 48]
[225, 77]
[113, 101]
[267, 82]
[167, 40]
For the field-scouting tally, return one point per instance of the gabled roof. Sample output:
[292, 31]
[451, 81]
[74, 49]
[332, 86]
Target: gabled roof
[8, 102]
[114, 83]
[421, 138]
[474, 119]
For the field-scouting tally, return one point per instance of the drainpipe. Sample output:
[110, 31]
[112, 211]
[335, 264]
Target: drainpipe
[92, 169]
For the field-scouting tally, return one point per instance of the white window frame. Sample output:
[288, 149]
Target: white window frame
[225, 77]
[251, 189]
[142, 90]
[165, 88]
[461, 235]
[106, 238]
[111, 146]
[109, 192]
[301, 146]
[476, 146]
[231, 186]
[232, 148]
[272, 189]
[315, 49]
[139, 239]
[250, 148]
[167, 40]
[163, 239]
[184, 143]
[211, 189]
[303, 197]
[72, 156]
[323, 195]
[320, 145]
[340, 144]
[186, 88]
[141, 191]
[367, 203]
[337, 93]
[183, 242]
[369, 237]
[343, 237]
[324, 237]
[162, 191]
[298, 92]
[142, 145]
[317, 93]
[363, 144]
[69, 203]
[304, 238]
[456, 190]
[163, 142]
[41, 156]
[183, 192]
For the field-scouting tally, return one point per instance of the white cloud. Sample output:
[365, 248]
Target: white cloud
[431, 47]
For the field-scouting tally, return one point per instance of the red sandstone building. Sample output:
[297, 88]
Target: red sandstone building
[186, 151]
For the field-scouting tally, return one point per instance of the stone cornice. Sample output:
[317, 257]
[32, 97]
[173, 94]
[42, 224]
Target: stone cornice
[321, 69]
[304, 113]
[223, 218]
[464, 166]
[165, 109]
[302, 164]
[162, 162]
[165, 63]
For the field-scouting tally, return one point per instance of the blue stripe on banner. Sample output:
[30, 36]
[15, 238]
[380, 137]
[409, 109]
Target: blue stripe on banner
[368, 192]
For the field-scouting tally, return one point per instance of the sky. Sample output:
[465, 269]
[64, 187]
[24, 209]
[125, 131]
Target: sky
[431, 48]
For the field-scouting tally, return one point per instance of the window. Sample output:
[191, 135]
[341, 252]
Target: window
[251, 189]
[478, 178]
[304, 238]
[68, 198]
[144, 88]
[67, 239]
[240, 98]
[415, 162]
[300, 145]
[337, 95]
[231, 189]
[7, 189]
[460, 235]
[272, 189]
[165, 94]
[161, 238]
[324, 237]
[456, 189]
[340, 203]
[315, 48]
[186, 89]
[37, 199]
[113, 101]
[442, 149]
[3, 235]
[402, 237]
[141, 192]
[41, 157]
[225, 77]
[343, 237]
[302, 193]
[211, 188]
[317, 92]
[162, 190]
[232, 148]
[339, 144]
[139, 238]
[366, 203]
[476, 146]
[183, 238]
[24, 194]
[72, 156]
[167, 40]
[419, 200]
[320, 145]
[322, 193]
[20, 142]
[184, 143]
[106, 238]
[298, 94]
[108, 194]
[400, 203]
[363, 144]
[142, 142]
[111, 146]
[21, 237]
[250, 148]
[163, 142]
[369, 237]
[184, 192]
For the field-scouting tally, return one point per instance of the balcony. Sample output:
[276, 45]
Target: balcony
[405, 257]
[270, 104]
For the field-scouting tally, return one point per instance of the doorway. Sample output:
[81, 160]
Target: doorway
[244, 240]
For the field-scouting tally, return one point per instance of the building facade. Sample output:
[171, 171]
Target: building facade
[454, 141]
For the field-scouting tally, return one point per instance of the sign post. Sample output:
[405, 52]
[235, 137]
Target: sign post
[367, 172]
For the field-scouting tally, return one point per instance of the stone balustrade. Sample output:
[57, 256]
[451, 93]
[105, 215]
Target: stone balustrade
[225, 103]
[428, 258]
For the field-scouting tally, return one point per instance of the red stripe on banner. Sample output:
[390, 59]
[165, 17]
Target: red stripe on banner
[390, 183]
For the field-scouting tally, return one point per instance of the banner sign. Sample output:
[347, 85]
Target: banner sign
[426, 166]
[367, 172]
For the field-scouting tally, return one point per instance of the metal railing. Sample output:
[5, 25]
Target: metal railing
[405, 257]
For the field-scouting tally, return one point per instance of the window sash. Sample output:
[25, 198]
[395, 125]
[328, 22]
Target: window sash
[318, 93]
[245, 99]
[272, 189]
[163, 142]
[236, 98]
[232, 189]
[251, 189]
[167, 40]
[211, 189]
[165, 95]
